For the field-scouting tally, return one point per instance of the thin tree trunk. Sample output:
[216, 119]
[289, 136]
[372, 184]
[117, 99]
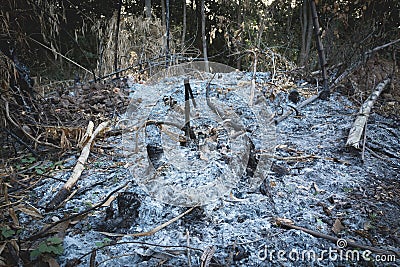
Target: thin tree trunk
[116, 38]
[164, 38]
[163, 13]
[303, 23]
[309, 37]
[239, 22]
[321, 54]
[306, 33]
[203, 35]
[147, 8]
[167, 20]
[184, 26]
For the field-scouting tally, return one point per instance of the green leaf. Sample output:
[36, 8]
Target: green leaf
[39, 170]
[43, 247]
[6, 232]
[28, 160]
[34, 254]
[54, 240]
[99, 244]
[58, 250]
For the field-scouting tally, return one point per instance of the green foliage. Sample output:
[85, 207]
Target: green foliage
[104, 242]
[28, 160]
[72, 27]
[52, 246]
[6, 232]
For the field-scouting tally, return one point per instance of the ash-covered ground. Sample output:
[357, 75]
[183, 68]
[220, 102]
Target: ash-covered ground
[314, 182]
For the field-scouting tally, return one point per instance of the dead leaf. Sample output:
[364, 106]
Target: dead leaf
[51, 261]
[337, 226]
[109, 200]
[29, 210]
[11, 211]
[2, 246]
[59, 228]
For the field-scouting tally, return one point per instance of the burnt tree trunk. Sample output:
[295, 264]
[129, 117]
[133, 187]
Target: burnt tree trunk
[116, 38]
[167, 21]
[203, 35]
[321, 54]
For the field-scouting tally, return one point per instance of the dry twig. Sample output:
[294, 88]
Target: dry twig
[154, 230]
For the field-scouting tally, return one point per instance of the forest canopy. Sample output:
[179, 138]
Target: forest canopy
[44, 34]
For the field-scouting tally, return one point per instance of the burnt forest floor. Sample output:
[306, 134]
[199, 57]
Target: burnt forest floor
[315, 182]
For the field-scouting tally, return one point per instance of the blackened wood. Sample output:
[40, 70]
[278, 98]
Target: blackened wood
[116, 38]
[321, 54]
[167, 23]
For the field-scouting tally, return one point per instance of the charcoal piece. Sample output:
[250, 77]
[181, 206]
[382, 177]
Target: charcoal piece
[128, 204]
[279, 170]
[294, 96]
[240, 253]
[155, 154]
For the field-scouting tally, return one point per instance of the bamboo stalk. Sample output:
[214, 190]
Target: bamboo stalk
[361, 120]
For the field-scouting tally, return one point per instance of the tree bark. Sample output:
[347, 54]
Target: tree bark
[163, 13]
[116, 38]
[239, 23]
[306, 32]
[321, 54]
[147, 8]
[303, 24]
[203, 35]
[184, 27]
[167, 21]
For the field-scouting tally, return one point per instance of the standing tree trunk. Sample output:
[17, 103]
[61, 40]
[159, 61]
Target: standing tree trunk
[163, 13]
[239, 23]
[167, 20]
[203, 35]
[164, 39]
[184, 27]
[116, 37]
[324, 94]
[306, 32]
[147, 8]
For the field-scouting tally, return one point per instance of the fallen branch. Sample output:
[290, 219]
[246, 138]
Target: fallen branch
[334, 239]
[298, 107]
[381, 47]
[111, 244]
[154, 230]
[346, 73]
[359, 124]
[77, 171]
